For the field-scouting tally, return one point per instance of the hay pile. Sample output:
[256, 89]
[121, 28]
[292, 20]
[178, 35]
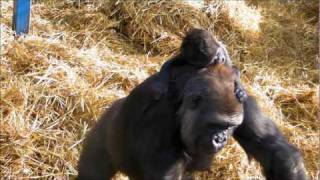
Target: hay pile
[82, 55]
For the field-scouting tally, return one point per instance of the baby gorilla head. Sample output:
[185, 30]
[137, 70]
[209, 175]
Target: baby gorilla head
[200, 48]
[209, 110]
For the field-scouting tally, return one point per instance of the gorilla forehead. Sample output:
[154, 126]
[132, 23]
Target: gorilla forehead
[214, 80]
[215, 85]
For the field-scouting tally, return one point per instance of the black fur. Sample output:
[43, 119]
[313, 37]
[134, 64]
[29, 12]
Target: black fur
[156, 142]
[152, 146]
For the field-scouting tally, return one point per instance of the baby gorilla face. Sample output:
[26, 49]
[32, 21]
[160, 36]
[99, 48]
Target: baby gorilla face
[209, 110]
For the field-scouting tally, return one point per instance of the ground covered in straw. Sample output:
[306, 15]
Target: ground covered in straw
[82, 55]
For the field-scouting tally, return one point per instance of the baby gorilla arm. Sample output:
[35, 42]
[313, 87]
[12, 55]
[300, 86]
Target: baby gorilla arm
[160, 87]
[261, 139]
[239, 90]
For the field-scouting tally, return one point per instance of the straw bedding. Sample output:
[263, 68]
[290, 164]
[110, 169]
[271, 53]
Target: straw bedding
[80, 56]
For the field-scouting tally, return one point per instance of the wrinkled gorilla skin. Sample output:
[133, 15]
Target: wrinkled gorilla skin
[165, 142]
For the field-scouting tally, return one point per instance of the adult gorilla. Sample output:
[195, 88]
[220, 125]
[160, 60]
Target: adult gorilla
[182, 134]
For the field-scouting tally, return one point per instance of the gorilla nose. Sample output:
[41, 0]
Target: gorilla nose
[229, 120]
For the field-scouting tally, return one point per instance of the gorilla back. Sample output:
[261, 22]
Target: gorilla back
[156, 145]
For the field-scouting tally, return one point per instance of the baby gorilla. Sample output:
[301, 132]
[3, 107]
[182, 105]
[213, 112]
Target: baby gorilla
[169, 138]
[199, 49]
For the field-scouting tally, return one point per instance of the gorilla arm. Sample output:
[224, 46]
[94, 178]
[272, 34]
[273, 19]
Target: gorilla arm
[260, 138]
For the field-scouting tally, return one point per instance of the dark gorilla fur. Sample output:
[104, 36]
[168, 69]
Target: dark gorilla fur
[155, 145]
[177, 135]
[261, 139]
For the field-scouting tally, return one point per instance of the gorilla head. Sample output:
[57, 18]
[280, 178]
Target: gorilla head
[199, 48]
[209, 110]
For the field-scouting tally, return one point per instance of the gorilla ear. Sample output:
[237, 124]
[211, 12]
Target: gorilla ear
[236, 71]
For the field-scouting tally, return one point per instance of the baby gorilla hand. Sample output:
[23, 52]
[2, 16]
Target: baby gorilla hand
[219, 139]
[240, 93]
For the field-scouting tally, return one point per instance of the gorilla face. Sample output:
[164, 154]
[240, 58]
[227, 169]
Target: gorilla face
[209, 110]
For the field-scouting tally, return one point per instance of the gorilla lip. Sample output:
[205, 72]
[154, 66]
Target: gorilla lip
[219, 139]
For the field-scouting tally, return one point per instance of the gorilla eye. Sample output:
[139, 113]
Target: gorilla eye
[196, 99]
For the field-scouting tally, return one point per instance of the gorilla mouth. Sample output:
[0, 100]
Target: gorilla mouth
[219, 139]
